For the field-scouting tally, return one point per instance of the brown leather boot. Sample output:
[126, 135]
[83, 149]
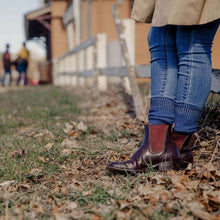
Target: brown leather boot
[167, 155]
[182, 142]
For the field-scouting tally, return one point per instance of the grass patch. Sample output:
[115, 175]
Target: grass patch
[40, 109]
[58, 175]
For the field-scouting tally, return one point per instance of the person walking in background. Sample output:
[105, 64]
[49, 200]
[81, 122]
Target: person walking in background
[7, 65]
[180, 43]
[22, 64]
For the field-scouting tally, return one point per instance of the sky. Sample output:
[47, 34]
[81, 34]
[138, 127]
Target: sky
[12, 29]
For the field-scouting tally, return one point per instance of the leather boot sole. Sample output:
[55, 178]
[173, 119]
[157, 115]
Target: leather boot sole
[162, 167]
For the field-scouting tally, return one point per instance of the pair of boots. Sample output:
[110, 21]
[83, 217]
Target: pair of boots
[161, 149]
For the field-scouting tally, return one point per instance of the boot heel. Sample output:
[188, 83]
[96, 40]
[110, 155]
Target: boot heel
[164, 166]
[169, 165]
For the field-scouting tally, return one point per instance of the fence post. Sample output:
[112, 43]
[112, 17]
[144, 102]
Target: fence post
[66, 67]
[73, 69]
[81, 60]
[138, 101]
[55, 71]
[90, 63]
[69, 68]
[61, 68]
[58, 72]
[101, 60]
[129, 34]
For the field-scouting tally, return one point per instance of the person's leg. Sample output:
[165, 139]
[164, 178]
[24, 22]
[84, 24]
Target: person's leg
[25, 78]
[164, 71]
[19, 73]
[158, 150]
[194, 45]
[19, 78]
[3, 79]
[25, 73]
[10, 79]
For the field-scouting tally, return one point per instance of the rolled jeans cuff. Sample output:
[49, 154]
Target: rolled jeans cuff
[186, 118]
[161, 111]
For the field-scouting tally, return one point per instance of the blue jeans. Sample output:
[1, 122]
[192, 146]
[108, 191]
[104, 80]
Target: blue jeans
[7, 71]
[181, 70]
[22, 68]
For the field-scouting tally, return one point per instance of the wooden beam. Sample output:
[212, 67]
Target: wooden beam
[136, 95]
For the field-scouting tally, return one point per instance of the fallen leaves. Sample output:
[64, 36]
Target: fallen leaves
[18, 153]
[75, 130]
[107, 132]
[197, 209]
[7, 183]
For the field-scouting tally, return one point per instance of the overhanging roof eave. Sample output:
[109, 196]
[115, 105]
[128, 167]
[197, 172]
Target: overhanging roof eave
[34, 14]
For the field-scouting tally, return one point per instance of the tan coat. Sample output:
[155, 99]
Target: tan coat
[176, 12]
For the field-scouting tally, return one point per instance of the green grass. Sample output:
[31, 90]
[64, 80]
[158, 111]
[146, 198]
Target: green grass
[40, 109]
[52, 175]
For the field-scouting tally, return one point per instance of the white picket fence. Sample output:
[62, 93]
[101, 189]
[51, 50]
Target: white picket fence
[96, 62]
[86, 65]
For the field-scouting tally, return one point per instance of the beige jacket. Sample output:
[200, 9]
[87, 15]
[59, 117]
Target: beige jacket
[176, 12]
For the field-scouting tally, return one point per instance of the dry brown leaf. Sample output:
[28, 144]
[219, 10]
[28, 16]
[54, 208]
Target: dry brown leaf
[19, 211]
[212, 199]
[182, 218]
[35, 172]
[191, 173]
[74, 133]
[178, 180]
[201, 214]
[96, 217]
[56, 209]
[7, 183]
[86, 193]
[43, 159]
[184, 196]
[124, 141]
[69, 127]
[122, 204]
[125, 157]
[56, 189]
[153, 199]
[48, 146]
[70, 143]
[192, 185]
[60, 217]
[204, 143]
[172, 206]
[81, 126]
[208, 171]
[17, 153]
[44, 133]
[164, 197]
[148, 211]
[66, 151]
[24, 186]
[64, 190]
[38, 208]
[197, 210]
[71, 205]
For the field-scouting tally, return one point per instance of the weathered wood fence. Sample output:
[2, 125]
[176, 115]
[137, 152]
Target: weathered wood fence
[87, 64]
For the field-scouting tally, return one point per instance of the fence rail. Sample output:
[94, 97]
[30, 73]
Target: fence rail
[142, 71]
[87, 65]
[91, 41]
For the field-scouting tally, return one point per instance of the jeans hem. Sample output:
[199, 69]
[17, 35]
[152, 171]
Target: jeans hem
[161, 111]
[186, 118]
